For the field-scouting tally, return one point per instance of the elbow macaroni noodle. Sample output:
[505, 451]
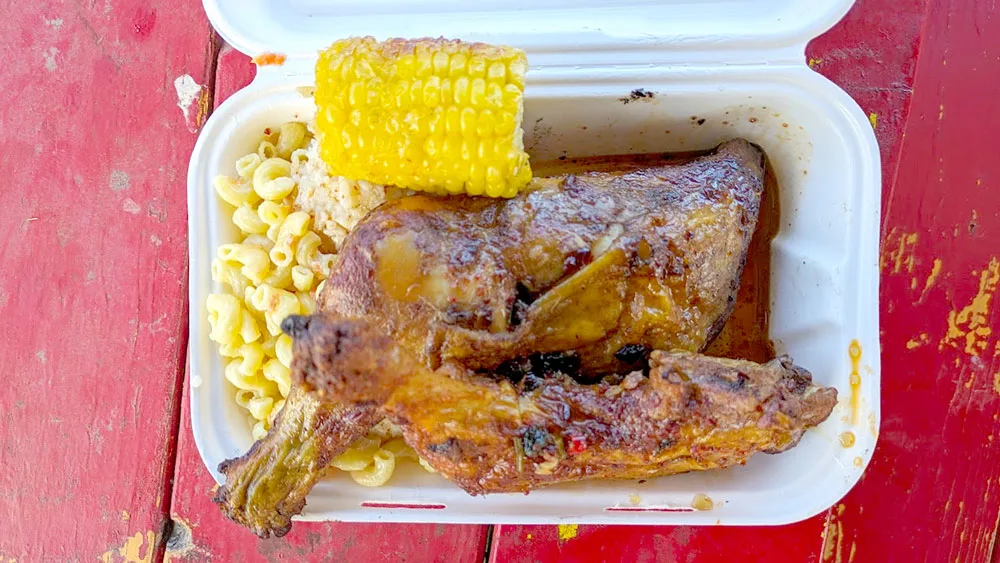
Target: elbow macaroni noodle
[277, 270]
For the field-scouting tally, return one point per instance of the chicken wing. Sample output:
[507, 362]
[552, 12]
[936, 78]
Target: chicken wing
[268, 485]
[488, 434]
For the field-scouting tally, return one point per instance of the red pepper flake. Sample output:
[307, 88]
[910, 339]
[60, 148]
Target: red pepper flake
[267, 131]
[265, 59]
[577, 444]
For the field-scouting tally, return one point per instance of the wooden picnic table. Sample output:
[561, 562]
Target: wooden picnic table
[97, 459]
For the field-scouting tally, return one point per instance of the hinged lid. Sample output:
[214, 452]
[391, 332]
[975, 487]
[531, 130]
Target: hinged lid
[558, 32]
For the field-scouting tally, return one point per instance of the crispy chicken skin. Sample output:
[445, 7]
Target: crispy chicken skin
[585, 263]
[592, 264]
[489, 435]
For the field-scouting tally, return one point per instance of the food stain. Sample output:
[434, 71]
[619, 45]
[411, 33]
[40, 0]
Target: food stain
[634, 499]
[269, 59]
[814, 62]
[858, 462]
[971, 324]
[996, 382]
[847, 439]
[702, 502]
[132, 550]
[873, 119]
[854, 351]
[567, 531]
[917, 342]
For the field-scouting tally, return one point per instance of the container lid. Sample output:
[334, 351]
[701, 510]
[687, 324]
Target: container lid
[728, 28]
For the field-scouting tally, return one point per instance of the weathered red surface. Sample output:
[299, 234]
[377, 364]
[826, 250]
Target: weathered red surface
[92, 270]
[93, 304]
[201, 531]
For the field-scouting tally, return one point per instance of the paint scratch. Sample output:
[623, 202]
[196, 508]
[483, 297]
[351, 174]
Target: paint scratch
[971, 324]
[567, 531]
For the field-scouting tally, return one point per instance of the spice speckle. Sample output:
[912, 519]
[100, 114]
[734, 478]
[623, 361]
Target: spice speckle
[637, 94]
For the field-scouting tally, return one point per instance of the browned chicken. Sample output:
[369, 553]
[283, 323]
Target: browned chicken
[268, 485]
[586, 263]
[596, 269]
[488, 434]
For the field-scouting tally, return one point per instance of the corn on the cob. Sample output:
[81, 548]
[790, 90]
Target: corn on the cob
[430, 114]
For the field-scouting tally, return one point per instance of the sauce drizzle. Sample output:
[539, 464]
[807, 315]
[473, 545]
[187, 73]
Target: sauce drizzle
[854, 351]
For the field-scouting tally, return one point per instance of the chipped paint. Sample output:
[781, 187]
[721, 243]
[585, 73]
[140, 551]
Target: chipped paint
[188, 92]
[902, 256]
[567, 531]
[917, 342]
[129, 205]
[873, 119]
[833, 532]
[931, 278]
[119, 180]
[50, 58]
[814, 62]
[996, 382]
[530, 536]
[139, 548]
[126, 516]
[971, 324]
[854, 352]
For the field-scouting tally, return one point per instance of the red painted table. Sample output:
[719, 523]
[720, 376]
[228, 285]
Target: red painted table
[96, 455]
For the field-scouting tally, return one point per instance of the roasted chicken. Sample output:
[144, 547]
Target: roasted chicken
[488, 434]
[593, 269]
[586, 263]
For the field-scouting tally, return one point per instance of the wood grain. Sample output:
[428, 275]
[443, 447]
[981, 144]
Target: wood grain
[872, 54]
[92, 270]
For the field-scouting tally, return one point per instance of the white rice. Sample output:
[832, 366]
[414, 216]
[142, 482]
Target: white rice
[335, 203]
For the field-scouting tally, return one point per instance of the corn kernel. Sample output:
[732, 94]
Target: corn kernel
[435, 115]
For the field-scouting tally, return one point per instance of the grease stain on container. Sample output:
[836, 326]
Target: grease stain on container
[702, 502]
[854, 351]
[847, 439]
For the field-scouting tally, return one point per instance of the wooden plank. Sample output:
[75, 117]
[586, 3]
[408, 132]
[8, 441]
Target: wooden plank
[933, 487]
[200, 532]
[93, 256]
[872, 54]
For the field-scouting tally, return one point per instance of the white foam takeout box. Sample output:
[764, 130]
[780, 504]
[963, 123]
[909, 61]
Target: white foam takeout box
[736, 65]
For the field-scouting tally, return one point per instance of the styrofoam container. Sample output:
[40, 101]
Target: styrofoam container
[718, 69]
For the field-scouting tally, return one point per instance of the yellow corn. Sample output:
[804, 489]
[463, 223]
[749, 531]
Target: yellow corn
[430, 114]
